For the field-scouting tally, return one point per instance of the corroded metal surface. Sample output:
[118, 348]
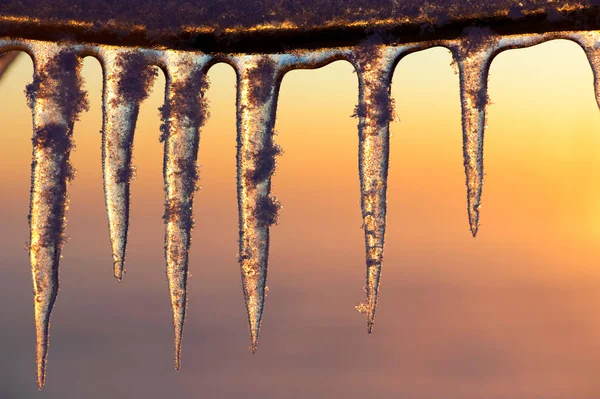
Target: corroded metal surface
[271, 26]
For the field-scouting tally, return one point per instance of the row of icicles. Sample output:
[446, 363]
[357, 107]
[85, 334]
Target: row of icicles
[56, 99]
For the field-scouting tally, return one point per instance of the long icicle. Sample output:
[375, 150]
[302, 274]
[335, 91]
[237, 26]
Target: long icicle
[258, 80]
[127, 79]
[473, 56]
[374, 65]
[56, 98]
[183, 114]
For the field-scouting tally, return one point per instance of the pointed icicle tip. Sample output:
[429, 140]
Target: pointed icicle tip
[254, 331]
[41, 381]
[41, 351]
[118, 270]
[177, 351]
[368, 309]
[370, 325]
[474, 222]
[178, 322]
[372, 295]
[41, 373]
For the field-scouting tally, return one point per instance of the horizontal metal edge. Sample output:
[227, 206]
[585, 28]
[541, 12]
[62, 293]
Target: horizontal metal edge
[282, 38]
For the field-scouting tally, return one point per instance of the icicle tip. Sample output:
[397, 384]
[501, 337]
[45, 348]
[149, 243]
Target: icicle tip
[370, 325]
[178, 358]
[118, 270]
[178, 340]
[41, 376]
[254, 330]
[474, 223]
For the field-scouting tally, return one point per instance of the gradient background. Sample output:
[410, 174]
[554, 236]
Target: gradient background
[511, 314]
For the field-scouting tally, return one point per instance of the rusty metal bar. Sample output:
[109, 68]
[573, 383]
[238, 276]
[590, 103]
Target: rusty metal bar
[270, 26]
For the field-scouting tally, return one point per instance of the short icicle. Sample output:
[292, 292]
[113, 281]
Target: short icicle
[127, 79]
[183, 114]
[374, 65]
[473, 55]
[56, 98]
[258, 80]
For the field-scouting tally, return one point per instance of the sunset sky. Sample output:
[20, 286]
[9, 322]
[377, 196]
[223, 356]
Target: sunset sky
[510, 314]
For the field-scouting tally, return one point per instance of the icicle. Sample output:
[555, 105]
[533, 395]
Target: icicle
[127, 80]
[375, 67]
[258, 80]
[56, 98]
[183, 114]
[473, 55]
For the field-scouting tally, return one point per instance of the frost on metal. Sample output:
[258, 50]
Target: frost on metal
[374, 64]
[183, 114]
[56, 98]
[258, 80]
[220, 16]
[127, 79]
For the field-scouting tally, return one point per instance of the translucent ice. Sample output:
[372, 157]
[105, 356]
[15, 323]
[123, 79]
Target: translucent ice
[56, 98]
[183, 114]
[473, 55]
[127, 79]
[258, 79]
[374, 65]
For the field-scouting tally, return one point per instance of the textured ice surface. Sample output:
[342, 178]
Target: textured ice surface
[473, 55]
[56, 98]
[127, 79]
[258, 79]
[374, 65]
[183, 114]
